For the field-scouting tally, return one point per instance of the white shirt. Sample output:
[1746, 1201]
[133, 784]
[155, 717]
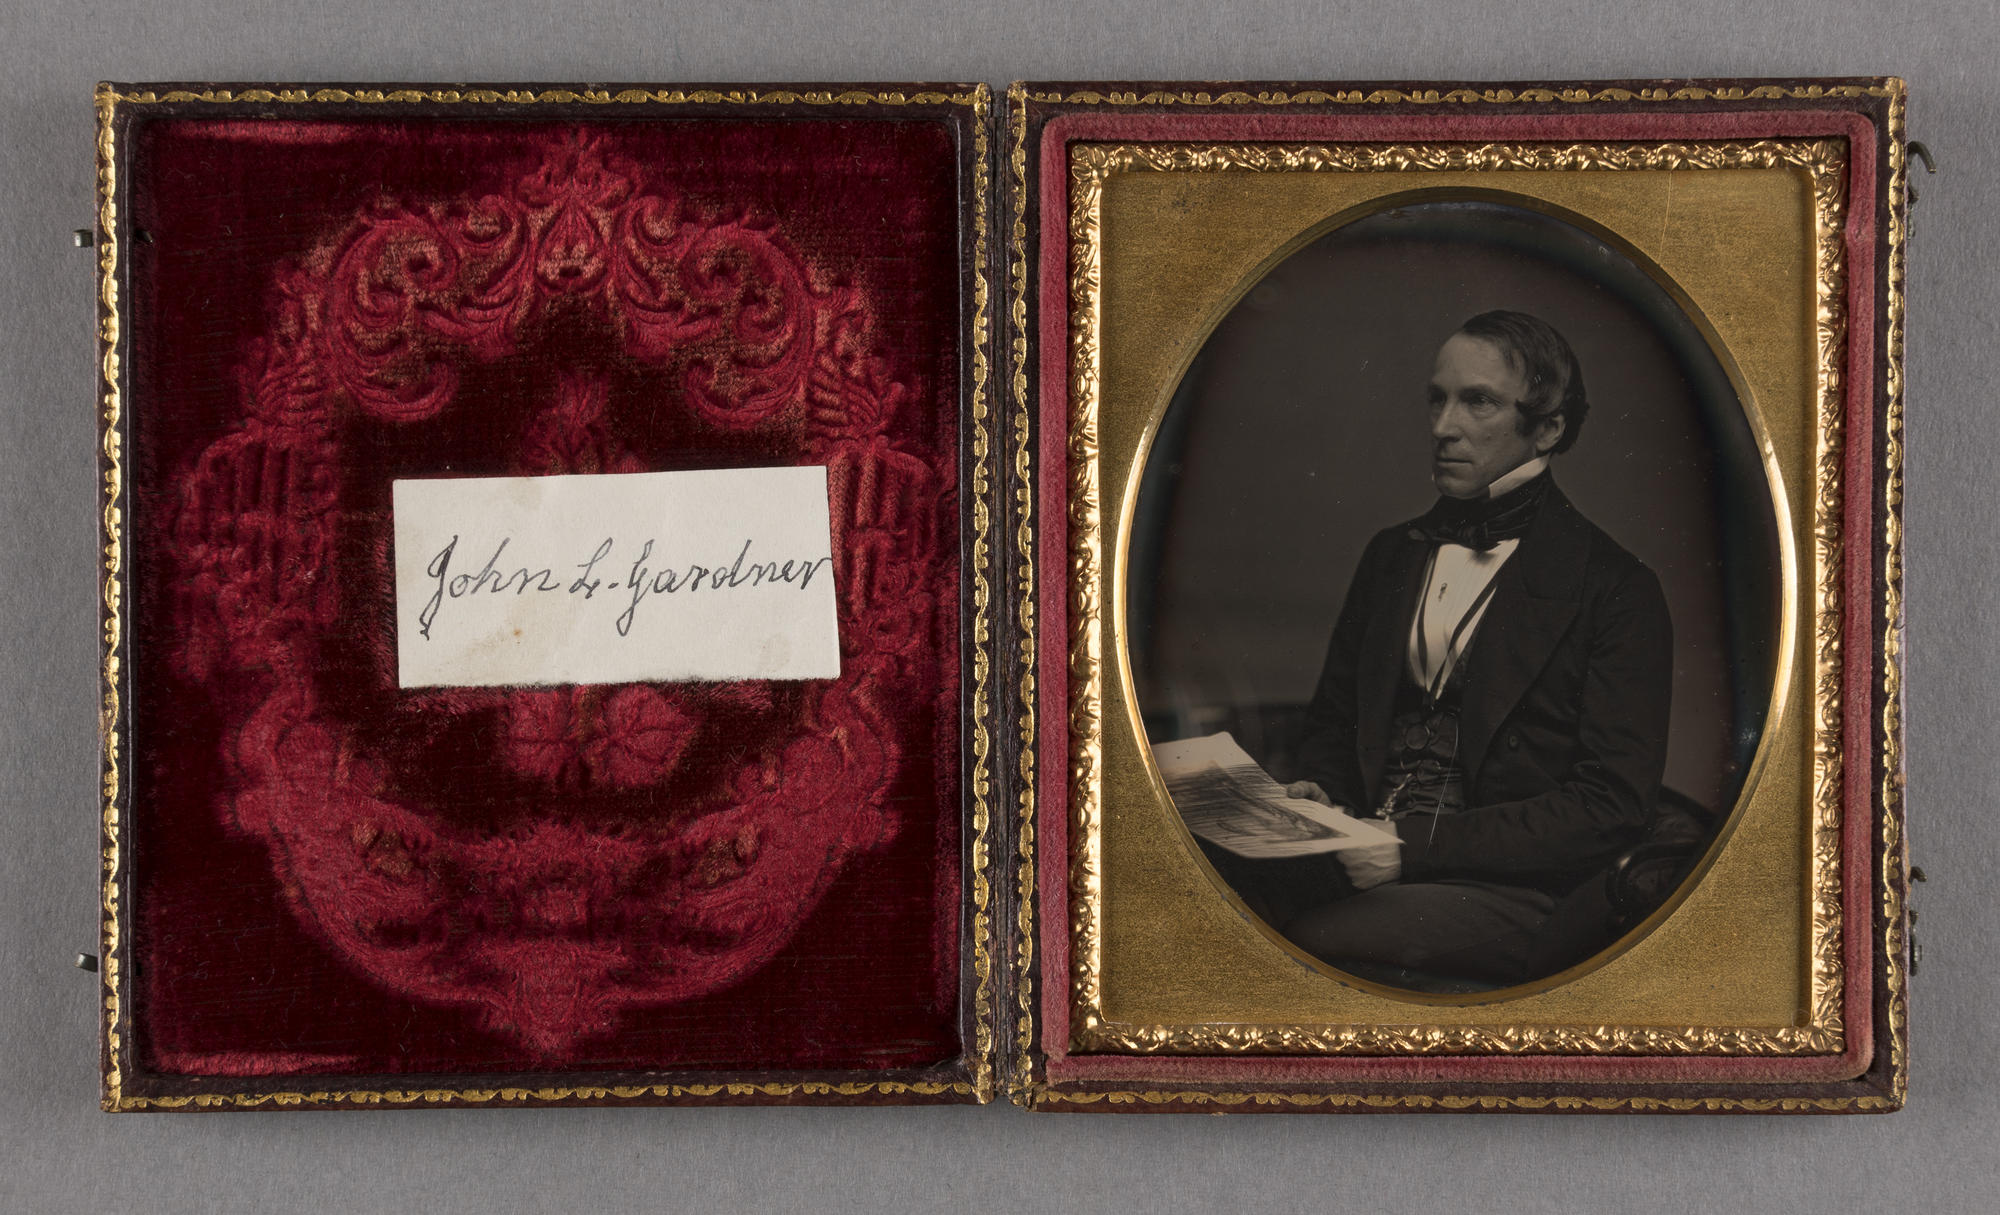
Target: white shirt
[1458, 576]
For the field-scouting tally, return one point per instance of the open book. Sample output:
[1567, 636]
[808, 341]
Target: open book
[1226, 798]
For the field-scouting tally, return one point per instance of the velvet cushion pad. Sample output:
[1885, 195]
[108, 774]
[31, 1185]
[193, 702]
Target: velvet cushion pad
[335, 875]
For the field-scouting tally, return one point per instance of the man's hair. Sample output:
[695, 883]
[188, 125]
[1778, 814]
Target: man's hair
[1555, 378]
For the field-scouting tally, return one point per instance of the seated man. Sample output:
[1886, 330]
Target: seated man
[1497, 688]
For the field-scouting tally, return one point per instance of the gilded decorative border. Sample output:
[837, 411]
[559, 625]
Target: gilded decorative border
[984, 497]
[982, 1084]
[1573, 95]
[1271, 1102]
[979, 99]
[1825, 162]
[527, 1096]
[1024, 590]
[111, 418]
[1828, 962]
[1089, 167]
[1894, 875]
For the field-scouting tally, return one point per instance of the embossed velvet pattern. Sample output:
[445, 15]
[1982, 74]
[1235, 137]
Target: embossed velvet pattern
[336, 875]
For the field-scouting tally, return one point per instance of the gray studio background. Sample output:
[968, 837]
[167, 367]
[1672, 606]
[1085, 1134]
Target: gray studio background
[58, 1153]
[1300, 430]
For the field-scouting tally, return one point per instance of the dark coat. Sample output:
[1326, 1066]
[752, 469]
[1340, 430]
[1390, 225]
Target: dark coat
[1563, 722]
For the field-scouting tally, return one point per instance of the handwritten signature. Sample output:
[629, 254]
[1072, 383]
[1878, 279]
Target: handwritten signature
[640, 580]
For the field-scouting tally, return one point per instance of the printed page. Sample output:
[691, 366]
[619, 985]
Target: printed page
[1226, 798]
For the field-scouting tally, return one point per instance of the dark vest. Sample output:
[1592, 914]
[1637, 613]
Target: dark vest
[1423, 774]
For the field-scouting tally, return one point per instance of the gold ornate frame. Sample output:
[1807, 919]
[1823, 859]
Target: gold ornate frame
[1095, 579]
[980, 1082]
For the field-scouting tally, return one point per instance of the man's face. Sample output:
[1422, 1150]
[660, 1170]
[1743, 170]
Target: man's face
[1476, 436]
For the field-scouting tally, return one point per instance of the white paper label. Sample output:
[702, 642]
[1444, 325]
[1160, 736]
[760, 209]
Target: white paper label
[635, 577]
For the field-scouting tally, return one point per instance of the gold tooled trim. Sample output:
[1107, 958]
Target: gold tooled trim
[543, 1096]
[1024, 592]
[1266, 1102]
[113, 586]
[1827, 960]
[1089, 168]
[1895, 874]
[1467, 96]
[983, 499]
[1825, 163]
[981, 1060]
[977, 99]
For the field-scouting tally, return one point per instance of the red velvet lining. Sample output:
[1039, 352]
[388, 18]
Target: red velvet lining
[332, 874]
[1860, 571]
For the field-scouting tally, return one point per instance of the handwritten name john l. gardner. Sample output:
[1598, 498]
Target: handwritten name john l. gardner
[640, 580]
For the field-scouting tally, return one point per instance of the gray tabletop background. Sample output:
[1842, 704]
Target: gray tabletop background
[57, 1152]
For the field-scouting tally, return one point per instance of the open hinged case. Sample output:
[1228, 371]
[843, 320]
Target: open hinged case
[1287, 361]
[501, 334]
[648, 594]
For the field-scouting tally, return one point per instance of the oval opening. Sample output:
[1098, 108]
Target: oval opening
[1303, 430]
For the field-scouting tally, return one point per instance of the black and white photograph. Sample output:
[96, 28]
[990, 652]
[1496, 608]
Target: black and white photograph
[1457, 527]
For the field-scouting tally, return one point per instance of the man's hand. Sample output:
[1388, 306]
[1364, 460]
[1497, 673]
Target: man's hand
[1368, 868]
[1308, 791]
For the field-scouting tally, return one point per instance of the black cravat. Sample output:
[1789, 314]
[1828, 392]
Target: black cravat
[1481, 523]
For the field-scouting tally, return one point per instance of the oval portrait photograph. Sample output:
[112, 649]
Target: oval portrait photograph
[1455, 604]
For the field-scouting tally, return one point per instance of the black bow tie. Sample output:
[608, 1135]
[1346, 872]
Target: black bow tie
[1481, 523]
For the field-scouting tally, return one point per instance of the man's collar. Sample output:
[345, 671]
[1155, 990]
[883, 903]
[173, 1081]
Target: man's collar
[1481, 523]
[1519, 477]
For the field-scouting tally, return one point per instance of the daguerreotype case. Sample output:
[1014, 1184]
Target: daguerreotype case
[1396, 741]
[1160, 597]
[545, 604]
